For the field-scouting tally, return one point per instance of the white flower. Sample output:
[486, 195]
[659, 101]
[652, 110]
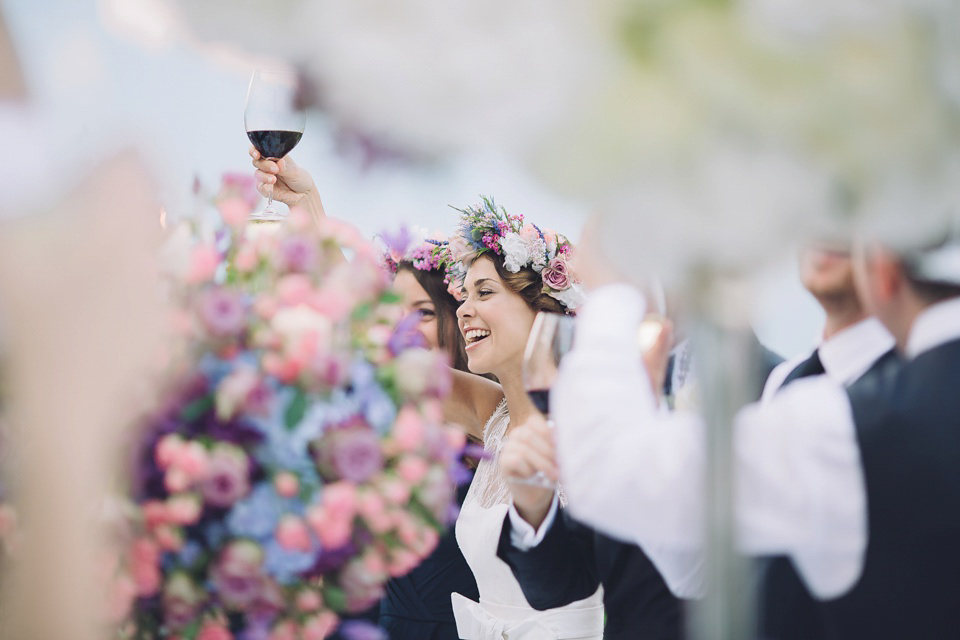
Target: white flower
[516, 252]
[537, 250]
[571, 297]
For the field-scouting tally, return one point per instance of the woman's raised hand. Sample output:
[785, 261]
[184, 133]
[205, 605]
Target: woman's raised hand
[289, 182]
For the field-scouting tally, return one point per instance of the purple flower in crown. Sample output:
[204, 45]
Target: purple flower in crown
[222, 312]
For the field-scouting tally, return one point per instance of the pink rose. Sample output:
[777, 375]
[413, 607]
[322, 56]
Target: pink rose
[293, 535]
[286, 630]
[557, 275]
[308, 599]
[145, 567]
[233, 390]
[182, 600]
[204, 261]
[234, 211]
[332, 532]
[228, 476]
[408, 430]
[184, 508]
[169, 537]
[238, 574]
[286, 484]
[412, 469]
[294, 289]
[214, 630]
[362, 588]
[246, 259]
[319, 626]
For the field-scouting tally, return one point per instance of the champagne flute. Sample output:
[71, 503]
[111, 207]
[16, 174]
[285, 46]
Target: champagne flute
[551, 337]
[273, 122]
[651, 326]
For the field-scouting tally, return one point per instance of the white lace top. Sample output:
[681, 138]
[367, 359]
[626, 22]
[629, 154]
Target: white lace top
[503, 611]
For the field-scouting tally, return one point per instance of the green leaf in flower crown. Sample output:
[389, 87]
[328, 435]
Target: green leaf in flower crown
[296, 409]
[197, 408]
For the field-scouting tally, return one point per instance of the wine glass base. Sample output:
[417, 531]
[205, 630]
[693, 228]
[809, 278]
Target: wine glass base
[267, 215]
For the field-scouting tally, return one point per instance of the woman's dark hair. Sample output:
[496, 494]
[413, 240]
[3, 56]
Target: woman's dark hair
[526, 283]
[448, 336]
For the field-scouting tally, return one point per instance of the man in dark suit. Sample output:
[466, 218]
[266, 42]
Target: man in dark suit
[853, 347]
[565, 561]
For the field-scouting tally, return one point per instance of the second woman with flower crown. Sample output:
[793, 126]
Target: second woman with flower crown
[509, 270]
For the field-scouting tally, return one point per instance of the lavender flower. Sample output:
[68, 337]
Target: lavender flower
[350, 453]
[297, 254]
[361, 630]
[228, 477]
[222, 312]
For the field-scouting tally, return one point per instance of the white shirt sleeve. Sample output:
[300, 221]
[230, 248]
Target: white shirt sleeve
[522, 534]
[636, 473]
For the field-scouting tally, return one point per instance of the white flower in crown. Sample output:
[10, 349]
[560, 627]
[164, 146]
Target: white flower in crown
[516, 252]
[571, 297]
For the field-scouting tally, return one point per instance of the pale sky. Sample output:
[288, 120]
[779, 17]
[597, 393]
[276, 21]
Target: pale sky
[99, 91]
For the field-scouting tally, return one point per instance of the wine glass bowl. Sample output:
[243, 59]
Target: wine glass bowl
[273, 121]
[551, 337]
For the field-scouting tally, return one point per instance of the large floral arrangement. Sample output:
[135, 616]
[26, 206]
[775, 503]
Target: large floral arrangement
[302, 461]
[487, 228]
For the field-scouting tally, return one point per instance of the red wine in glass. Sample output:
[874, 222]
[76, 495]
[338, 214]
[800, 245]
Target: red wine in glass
[274, 144]
[273, 121]
[540, 399]
[551, 337]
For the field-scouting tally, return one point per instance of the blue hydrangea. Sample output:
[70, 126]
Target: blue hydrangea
[285, 565]
[257, 515]
[362, 374]
[378, 409]
[215, 533]
[189, 554]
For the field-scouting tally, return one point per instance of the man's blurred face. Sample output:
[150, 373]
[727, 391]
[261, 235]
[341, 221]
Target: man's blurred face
[827, 272]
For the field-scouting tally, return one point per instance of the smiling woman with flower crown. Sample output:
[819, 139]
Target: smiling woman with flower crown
[509, 270]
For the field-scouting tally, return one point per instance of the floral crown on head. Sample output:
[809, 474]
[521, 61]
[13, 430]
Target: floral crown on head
[487, 228]
[420, 250]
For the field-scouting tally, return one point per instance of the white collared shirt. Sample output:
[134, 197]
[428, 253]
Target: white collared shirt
[845, 356]
[636, 473]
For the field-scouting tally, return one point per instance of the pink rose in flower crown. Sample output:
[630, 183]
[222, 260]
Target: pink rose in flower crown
[238, 574]
[557, 274]
[228, 476]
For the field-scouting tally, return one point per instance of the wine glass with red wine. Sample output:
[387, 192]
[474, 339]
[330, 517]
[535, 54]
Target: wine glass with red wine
[273, 121]
[551, 337]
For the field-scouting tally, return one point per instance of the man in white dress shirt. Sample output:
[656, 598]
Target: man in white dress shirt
[810, 460]
[851, 346]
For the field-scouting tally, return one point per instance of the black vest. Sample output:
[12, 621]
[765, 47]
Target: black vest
[786, 608]
[908, 430]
